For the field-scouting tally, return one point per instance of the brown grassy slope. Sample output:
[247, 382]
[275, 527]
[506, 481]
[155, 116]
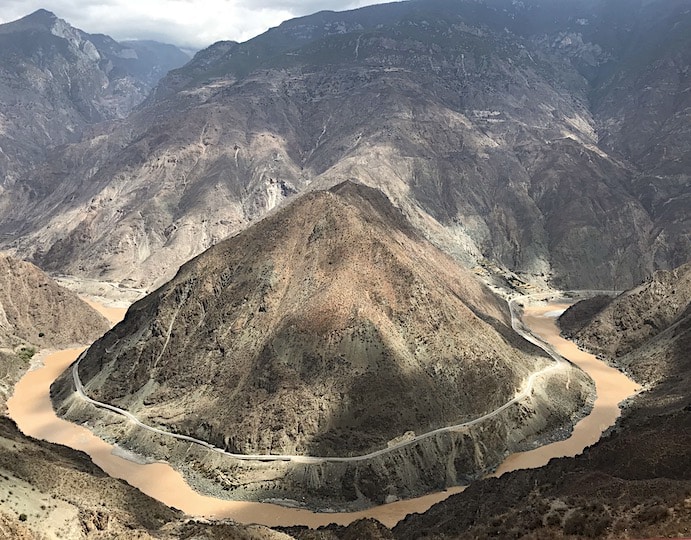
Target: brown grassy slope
[34, 309]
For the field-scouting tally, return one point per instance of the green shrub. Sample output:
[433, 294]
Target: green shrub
[26, 353]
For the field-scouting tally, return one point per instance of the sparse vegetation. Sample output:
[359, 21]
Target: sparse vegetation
[26, 353]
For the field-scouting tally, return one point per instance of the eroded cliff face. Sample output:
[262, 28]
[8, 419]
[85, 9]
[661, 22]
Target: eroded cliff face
[509, 134]
[640, 330]
[329, 329]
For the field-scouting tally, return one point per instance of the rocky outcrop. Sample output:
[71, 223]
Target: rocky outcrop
[636, 329]
[331, 329]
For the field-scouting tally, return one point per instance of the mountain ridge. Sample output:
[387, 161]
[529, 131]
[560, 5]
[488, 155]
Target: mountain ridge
[35, 314]
[58, 80]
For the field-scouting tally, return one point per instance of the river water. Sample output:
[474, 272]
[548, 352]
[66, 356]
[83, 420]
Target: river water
[31, 409]
[611, 386]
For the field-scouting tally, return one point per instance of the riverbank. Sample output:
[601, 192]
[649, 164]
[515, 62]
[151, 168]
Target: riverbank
[611, 386]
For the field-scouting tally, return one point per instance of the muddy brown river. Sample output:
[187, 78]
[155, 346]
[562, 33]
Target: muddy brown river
[31, 409]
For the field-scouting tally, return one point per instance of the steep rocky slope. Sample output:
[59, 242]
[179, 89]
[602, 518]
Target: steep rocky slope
[56, 81]
[501, 128]
[633, 328]
[330, 328]
[37, 313]
[48, 491]
[33, 308]
[51, 491]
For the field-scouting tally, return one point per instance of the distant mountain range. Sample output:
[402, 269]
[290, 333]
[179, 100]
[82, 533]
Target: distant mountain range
[56, 81]
[551, 141]
[319, 184]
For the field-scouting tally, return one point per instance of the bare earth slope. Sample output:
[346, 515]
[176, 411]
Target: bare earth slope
[48, 491]
[328, 329]
[62, 494]
[635, 328]
[36, 313]
[37, 310]
[635, 482]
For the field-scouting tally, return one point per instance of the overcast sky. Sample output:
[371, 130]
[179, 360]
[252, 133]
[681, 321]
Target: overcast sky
[187, 23]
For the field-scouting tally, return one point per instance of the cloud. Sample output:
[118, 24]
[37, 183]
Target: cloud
[187, 23]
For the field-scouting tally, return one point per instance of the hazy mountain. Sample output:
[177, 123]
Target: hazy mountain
[56, 81]
[330, 328]
[550, 139]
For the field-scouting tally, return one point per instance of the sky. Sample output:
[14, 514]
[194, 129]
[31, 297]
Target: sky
[192, 24]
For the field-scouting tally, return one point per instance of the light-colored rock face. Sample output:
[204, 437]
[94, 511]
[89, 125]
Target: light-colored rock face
[505, 147]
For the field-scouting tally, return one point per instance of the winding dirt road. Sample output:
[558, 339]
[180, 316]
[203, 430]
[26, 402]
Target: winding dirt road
[526, 391]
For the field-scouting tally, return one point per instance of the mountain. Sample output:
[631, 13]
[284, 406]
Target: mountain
[36, 313]
[150, 60]
[49, 490]
[56, 81]
[550, 140]
[330, 328]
